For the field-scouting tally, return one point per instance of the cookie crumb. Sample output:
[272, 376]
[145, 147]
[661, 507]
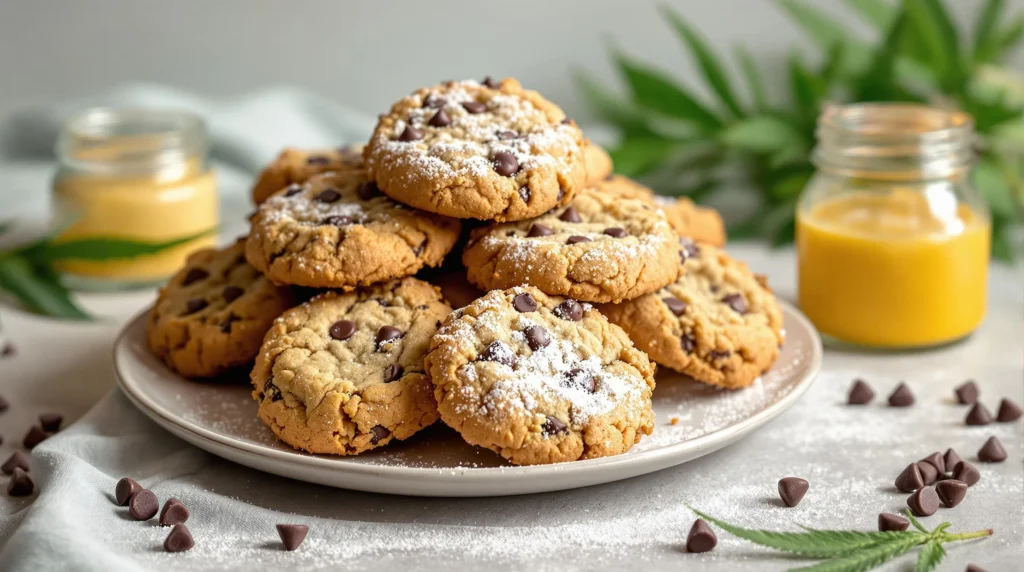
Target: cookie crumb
[674, 421]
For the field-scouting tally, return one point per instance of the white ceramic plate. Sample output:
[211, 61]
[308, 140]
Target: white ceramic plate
[436, 462]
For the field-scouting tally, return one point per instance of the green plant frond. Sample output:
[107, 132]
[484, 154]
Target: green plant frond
[714, 72]
[653, 90]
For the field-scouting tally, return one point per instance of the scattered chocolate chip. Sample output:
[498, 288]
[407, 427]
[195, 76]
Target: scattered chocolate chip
[125, 490]
[736, 302]
[701, 537]
[792, 490]
[553, 426]
[194, 305]
[892, 522]
[524, 193]
[386, 334]
[967, 393]
[174, 512]
[194, 275]
[505, 163]
[34, 437]
[928, 472]
[20, 484]
[440, 119]
[16, 460]
[570, 215]
[327, 196]
[4, 404]
[143, 505]
[966, 472]
[992, 451]
[489, 82]
[910, 479]
[179, 539]
[924, 502]
[688, 249]
[367, 190]
[936, 460]
[974, 568]
[499, 352]
[342, 330]
[566, 121]
[474, 107]
[675, 305]
[978, 415]
[292, 535]
[392, 372]
[539, 230]
[569, 310]
[506, 135]
[317, 160]
[50, 422]
[379, 433]
[433, 101]
[410, 133]
[293, 189]
[616, 232]
[901, 396]
[688, 344]
[951, 458]
[537, 337]
[576, 239]
[524, 303]
[951, 492]
[582, 379]
[337, 220]
[232, 293]
[860, 394]
[1008, 411]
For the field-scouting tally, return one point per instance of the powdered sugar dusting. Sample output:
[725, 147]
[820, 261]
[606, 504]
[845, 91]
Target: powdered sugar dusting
[304, 208]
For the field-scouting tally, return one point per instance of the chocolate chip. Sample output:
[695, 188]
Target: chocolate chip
[967, 393]
[792, 490]
[342, 330]
[392, 372]
[570, 215]
[675, 305]
[992, 451]
[292, 535]
[179, 539]
[688, 249]
[967, 473]
[293, 189]
[440, 119]
[718, 354]
[537, 337]
[50, 422]
[16, 460]
[379, 433]
[474, 107]
[973, 568]
[194, 275]
[860, 394]
[539, 230]
[174, 512]
[124, 491]
[577, 377]
[910, 479]
[367, 190]
[505, 163]
[489, 82]
[433, 101]
[419, 248]
[506, 135]
[524, 303]
[892, 522]
[569, 310]
[951, 458]
[576, 239]
[143, 505]
[20, 484]
[936, 460]
[318, 160]
[736, 302]
[928, 472]
[499, 352]
[978, 415]
[225, 326]
[34, 437]
[688, 344]
[901, 396]
[232, 293]
[701, 537]
[951, 492]
[386, 334]
[524, 193]
[566, 121]
[272, 390]
[553, 426]
[411, 134]
[327, 196]
[4, 404]
[616, 232]
[1008, 411]
[337, 220]
[194, 305]
[924, 502]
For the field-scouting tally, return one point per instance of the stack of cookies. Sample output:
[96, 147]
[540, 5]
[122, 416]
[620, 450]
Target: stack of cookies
[584, 279]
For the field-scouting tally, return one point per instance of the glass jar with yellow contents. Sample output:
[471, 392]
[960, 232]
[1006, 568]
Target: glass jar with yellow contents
[138, 175]
[892, 239]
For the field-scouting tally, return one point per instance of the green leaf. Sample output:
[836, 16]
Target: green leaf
[636, 156]
[791, 186]
[106, 248]
[938, 36]
[929, 557]
[985, 49]
[762, 134]
[913, 520]
[755, 83]
[1002, 245]
[879, 82]
[830, 69]
[40, 292]
[867, 558]
[991, 180]
[610, 107]
[654, 91]
[1010, 36]
[814, 543]
[706, 60]
[878, 12]
[826, 32]
[806, 89]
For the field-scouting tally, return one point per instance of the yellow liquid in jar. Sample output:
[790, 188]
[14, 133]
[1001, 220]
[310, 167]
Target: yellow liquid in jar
[887, 270]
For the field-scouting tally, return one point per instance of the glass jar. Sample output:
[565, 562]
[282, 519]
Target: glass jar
[892, 239]
[133, 174]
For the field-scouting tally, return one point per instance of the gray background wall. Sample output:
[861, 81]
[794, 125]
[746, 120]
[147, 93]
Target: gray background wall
[365, 53]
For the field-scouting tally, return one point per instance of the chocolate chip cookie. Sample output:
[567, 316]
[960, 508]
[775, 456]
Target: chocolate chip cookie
[485, 150]
[298, 165]
[211, 316]
[718, 323]
[701, 224]
[601, 248]
[540, 379]
[343, 373]
[599, 163]
[337, 230]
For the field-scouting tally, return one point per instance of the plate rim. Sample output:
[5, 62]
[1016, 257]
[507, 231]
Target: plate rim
[726, 435]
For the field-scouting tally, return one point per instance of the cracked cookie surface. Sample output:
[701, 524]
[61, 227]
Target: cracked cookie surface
[540, 379]
[211, 316]
[337, 231]
[343, 373]
[600, 248]
[701, 224]
[295, 165]
[489, 151]
[718, 323]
